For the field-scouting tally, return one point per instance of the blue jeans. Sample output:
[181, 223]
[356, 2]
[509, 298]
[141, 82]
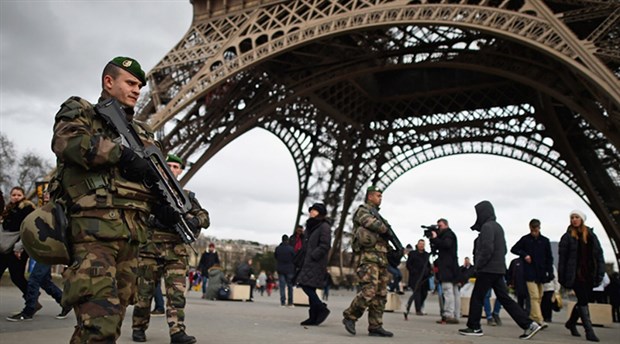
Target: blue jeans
[40, 277]
[205, 280]
[487, 305]
[286, 280]
[158, 297]
[397, 276]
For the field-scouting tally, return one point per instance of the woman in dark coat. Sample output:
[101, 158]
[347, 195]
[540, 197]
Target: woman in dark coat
[317, 242]
[15, 257]
[580, 267]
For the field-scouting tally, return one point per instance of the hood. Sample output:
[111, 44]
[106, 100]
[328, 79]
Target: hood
[484, 213]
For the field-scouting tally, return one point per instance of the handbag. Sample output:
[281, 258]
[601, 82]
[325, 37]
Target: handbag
[223, 293]
[7, 240]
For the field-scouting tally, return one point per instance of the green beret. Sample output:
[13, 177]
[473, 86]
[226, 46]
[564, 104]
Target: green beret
[175, 158]
[130, 65]
[373, 188]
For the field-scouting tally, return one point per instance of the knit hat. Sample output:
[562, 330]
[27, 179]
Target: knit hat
[320, 208]
[579, 213]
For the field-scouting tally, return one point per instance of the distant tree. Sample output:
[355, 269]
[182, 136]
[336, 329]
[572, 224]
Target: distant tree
[22, 170]
[265, 261]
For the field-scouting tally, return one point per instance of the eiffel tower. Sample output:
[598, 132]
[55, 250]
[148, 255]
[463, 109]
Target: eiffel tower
[363, 91]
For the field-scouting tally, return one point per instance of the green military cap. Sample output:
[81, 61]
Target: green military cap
[373, 188]
[175, 158]
[130, 65]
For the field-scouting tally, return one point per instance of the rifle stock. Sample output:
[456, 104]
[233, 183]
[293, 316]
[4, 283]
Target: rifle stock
[167, 186]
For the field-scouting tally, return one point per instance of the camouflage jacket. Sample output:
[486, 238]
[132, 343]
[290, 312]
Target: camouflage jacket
[88, 152]
[160, 234]
[376, 226]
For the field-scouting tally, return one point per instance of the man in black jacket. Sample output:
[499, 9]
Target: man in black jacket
[490, 266]
[446, 245]
[284, 255]
[535, 250]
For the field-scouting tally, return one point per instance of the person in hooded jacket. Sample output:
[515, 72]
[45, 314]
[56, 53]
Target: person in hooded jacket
[317, 242]
[490, 266]
[580, 267]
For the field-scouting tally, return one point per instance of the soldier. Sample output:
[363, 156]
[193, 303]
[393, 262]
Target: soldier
[103, 184]
[166, 255]
[371, 229]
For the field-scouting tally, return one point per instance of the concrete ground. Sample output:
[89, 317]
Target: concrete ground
[264, 321]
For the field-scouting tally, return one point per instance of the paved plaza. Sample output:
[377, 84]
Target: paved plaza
[264, 321]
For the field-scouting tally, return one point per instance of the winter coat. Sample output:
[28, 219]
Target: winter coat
[490, 246]
[419, 268]
[540, 270]
[516, 277]
[15, 215]
[317, 242]
[217, 279]
[207, 260]
[567, 261]
[284, 257]
[446, 245]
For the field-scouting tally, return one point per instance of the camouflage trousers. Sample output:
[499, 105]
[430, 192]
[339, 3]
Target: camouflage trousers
[99, 285]
[171, 264]
[373, 281]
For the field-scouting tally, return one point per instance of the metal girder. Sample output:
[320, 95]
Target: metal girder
[363, 91]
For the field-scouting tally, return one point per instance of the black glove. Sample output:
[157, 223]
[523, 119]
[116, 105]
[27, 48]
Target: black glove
[135, 168]
[165, 214]
[193, 224]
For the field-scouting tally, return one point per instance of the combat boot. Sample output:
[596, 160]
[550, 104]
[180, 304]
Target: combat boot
[571, 323]
[380, 332]
[321, 314]
[349, 325]
[138, 336]
[182, 338]
[587, 324]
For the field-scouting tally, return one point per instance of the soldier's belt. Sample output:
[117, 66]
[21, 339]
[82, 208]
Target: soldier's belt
[87, 185]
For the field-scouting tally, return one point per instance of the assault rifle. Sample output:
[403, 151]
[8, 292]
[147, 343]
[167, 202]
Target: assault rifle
[394, 256]
[167, 186]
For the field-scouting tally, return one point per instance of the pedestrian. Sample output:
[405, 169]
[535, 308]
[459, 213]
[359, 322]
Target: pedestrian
[614, 296]
[245, 275]
[317, 243]
[580, 267]
[515, 278]
[40, 278]
[372, 272]
[466, 271]
[106, 182]
[261, 282]
[489, 261]
[492, 314]
[209, 258]
[297, 239]
[549, 289]
[419, 268]
[535, 251]
[166, 255]
[327, 285]
[445, 242]
[284, 255]
[599, 294]
[12, 255]
[217, 281]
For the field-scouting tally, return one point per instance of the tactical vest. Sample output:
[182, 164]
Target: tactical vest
[91, 190]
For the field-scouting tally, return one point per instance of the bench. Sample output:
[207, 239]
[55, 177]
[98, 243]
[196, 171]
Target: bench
[240, 292]
[301, 299]
[393, 302]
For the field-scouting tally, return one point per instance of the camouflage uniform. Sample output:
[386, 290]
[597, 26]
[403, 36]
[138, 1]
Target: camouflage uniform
[371, 272]
[165, 255]
[107, 220]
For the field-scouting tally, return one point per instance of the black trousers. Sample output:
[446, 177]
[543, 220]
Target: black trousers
[485, 281]
[17, 269]
[545, 305]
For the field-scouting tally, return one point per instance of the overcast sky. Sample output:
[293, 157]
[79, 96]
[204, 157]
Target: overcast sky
[51, 50]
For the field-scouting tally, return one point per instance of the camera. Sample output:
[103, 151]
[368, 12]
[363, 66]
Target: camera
[428, 230]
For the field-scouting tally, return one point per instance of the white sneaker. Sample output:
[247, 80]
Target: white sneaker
[531, 331]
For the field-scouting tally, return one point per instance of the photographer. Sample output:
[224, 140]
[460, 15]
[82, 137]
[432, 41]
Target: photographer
[444, 241]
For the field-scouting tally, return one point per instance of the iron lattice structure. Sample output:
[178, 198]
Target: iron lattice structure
[362, 91]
